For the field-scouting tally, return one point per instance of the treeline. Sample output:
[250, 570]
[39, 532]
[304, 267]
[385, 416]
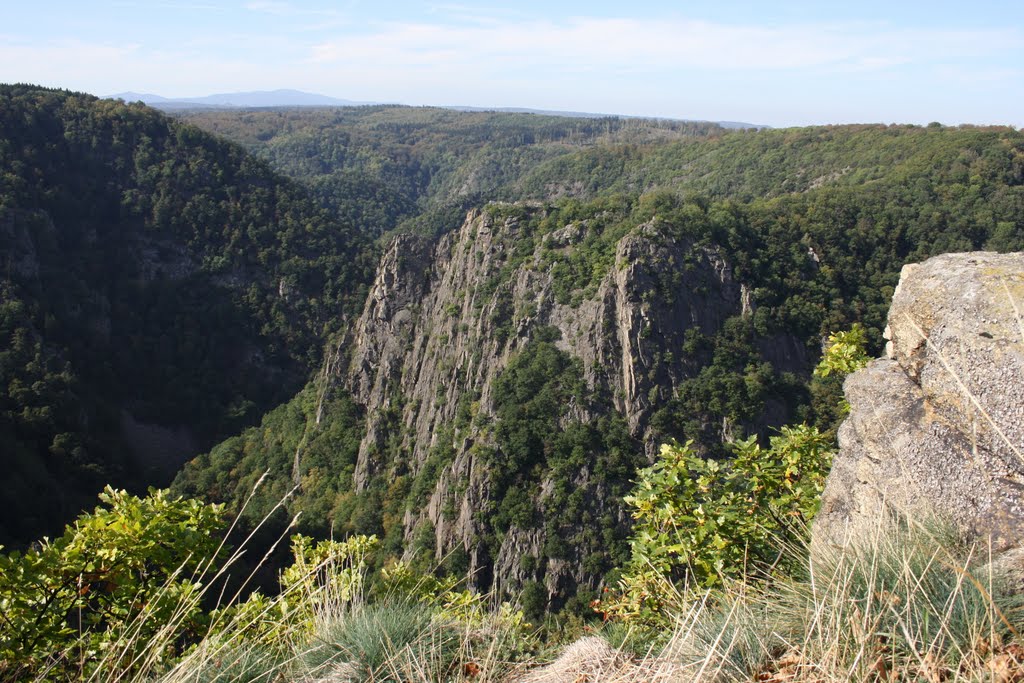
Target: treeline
[421, 167]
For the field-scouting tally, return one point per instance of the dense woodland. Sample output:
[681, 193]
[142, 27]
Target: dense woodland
[154, 275]
[186, 288]
[419, 169]
[168, 290]
[817, 222]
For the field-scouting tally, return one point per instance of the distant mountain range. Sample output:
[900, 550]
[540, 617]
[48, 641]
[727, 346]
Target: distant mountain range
[256, 98]
[297, 98]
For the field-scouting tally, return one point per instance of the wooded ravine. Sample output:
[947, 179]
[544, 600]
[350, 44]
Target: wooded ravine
[464, 332]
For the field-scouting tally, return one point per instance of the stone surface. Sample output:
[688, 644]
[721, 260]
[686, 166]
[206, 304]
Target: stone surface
[443, 320]
[937, 427]
[587, 660]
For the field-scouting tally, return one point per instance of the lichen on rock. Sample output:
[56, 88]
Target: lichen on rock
[936, 429]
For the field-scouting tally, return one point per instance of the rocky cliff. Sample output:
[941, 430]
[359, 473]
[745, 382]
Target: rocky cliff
[937, 427]
[448, 330]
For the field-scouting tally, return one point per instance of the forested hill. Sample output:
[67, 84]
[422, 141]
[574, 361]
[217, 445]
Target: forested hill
[748, 165]
[423, 167]
[507, 378]
[514, 363]
[392, 164]
[161, 289]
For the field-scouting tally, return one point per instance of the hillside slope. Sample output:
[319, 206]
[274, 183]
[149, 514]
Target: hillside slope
[506, 379]
[421, 168]
[161, 289]
[423, 159]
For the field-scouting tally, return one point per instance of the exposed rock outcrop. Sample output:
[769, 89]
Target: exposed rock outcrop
[937, 427]
[443, 321]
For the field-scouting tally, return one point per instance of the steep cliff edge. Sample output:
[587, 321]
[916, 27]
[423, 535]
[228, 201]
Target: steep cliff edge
[442, 321]
[937, 427]
[461, 339]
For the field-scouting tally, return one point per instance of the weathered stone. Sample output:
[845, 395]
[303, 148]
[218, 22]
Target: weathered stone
[444, 319]
[937, 428]
[587, 660]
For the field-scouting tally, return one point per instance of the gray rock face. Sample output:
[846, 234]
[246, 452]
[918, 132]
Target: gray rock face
[444, 319]
[937, 427]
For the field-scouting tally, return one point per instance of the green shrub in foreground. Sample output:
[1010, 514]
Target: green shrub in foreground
[701, 521]
[98, 595]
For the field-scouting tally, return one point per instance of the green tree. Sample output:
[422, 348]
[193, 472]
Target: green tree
[699, 521]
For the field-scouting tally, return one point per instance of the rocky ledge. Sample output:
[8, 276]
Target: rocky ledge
[936, 429]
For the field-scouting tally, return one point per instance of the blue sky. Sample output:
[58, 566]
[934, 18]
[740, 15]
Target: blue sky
[776, 63]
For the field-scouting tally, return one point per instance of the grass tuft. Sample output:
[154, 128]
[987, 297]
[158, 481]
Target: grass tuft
[902, 604]
[383, 642]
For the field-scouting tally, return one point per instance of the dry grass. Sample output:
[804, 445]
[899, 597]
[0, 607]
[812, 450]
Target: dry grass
[906, 604]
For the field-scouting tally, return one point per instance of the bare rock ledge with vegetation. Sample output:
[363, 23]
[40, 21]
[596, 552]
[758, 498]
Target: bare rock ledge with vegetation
[936, 429]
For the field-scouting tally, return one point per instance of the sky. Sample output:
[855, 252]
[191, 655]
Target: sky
[781, 63]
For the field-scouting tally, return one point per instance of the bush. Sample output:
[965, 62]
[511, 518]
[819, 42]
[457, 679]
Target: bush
[701, 521]
[99, 595]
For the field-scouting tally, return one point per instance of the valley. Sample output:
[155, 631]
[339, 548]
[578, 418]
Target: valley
[461, 331]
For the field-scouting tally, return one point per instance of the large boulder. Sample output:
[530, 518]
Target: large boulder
[936, 429]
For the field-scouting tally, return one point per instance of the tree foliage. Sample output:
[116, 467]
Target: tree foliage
[156, 280]
[406, 167]
[845, 352]
[97, 594]
[701, 522]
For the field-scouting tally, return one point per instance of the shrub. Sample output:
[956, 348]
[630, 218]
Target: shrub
[845, 352]
[101, 593]
[700, 521]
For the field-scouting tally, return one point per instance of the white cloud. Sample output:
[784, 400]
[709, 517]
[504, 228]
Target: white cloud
[475, 14]
[656, 45]
[669, 67]
[168, 5]
[286, 9]
[270, 7]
